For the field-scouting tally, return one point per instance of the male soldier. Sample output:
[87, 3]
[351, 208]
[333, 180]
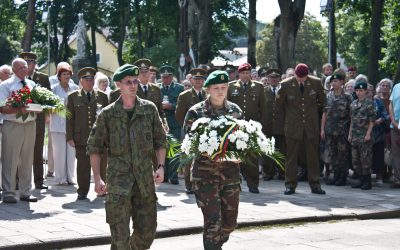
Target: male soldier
[352, 72]
[301, 96]
[230, 69]
[153, 74]
[170, 91]
[186, 100]
[275, 124]
[131, 130]
[18, 137]
[263, 72]
[250, 97]
[84, 105]
[41, 80]
[335, 124]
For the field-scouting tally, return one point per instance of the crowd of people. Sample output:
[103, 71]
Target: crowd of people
[337, 126]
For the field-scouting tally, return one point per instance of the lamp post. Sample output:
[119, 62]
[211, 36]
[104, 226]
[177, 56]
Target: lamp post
[328, 6]
[46, 18]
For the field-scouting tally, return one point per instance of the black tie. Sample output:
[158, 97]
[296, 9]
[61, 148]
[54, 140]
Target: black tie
[166, 88]
[23, 83]
[29, 77]
[88, 96]
[274, 90]
[245, 86]
[200, 96]
[145, 89]
[301, 87]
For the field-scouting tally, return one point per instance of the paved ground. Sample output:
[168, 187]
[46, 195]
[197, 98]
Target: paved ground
[58, 220]
[361, 235]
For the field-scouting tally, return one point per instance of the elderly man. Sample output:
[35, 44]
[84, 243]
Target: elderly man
[17, 155]
[131, 129]
[301, 96]
[84, 105]
[41, 80]
[250, 97]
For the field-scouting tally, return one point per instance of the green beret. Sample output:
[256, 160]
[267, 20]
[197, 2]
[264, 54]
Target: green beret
[361, 84]
[216, 77]
[87, 72]
[336, 76]
[125, 70]
[166, 69]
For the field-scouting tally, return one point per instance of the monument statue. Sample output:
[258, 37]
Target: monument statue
[80, 30]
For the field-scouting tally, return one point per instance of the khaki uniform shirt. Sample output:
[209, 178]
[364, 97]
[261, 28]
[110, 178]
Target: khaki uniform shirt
[186, 100]
[275, 113]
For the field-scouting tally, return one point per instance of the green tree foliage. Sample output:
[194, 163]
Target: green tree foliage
[311, 44]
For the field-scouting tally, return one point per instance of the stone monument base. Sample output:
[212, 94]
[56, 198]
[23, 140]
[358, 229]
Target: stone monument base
[77, 64]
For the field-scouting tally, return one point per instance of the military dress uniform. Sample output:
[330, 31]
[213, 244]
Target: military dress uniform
[130, 184]
[216, 184]
[252, 100]
[79, 123]
[302, 126]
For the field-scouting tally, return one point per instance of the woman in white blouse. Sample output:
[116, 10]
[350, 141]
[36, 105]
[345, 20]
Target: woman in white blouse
[63, 153]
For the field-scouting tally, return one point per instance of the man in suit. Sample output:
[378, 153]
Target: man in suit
[170, 91]
[250, 97]
[41, 80]
[301, 97]
[84, 105]
[186, 100]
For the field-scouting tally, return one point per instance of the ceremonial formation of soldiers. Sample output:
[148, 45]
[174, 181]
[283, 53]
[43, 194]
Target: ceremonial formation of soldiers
[338, 127]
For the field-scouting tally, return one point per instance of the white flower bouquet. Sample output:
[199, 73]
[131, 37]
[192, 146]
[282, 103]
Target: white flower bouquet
[228, 139]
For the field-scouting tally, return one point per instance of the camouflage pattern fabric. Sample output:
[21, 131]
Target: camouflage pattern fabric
[362, 158]
[337, 150]
[362, 112]
[216, 184]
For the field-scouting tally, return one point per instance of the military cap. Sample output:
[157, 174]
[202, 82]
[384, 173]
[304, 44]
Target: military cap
[216, 77]
[86, 72]
[125, 70]
[143, 63]
[262, 71]
[244, 66]
[336, 76]
[361, 84]
[166, 69]
[211, 70]
[153, 69]
[301, 70]
[228, 68]
[28, 56]
[274, 72]
[198, 73]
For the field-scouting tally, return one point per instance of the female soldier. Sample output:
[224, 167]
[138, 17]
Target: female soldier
[216, 185]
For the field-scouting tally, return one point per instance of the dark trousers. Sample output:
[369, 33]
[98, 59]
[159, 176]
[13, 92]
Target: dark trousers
[251, 172]
[38, 150]
[312, 159]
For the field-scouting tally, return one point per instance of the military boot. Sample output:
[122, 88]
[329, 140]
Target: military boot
[334, 180]
[341, 181]
[367, 182]
[359, 183]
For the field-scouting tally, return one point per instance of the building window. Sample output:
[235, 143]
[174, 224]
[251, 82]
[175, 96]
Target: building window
[98, 57]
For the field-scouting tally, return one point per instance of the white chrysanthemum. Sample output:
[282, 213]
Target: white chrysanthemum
[213, 142]
[250, 128]
[203, 120]
[203, 138]
[213, 133]
[240, 145]
[215, 123]
[232, 137]
[203, 147]
[255, 124]
[242, 135]
[186, 145]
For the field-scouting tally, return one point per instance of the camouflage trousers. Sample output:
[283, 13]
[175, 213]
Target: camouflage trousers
[143, 211]
[219, 205]
[337, 150]
[362, 158]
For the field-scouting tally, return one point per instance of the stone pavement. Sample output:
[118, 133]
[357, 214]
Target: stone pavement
[58, 220]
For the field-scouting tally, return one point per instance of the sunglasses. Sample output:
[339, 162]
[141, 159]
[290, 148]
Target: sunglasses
[133, 82]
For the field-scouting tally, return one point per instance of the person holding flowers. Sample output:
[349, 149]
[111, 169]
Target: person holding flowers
[19, 131]
[216, 183]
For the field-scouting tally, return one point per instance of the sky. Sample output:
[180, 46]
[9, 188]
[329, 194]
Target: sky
[267, 10]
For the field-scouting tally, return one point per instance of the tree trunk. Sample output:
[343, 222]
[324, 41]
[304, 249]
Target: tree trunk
[292, 12]
[124, 19]
[205, 30]
[251, 41]
[94, 46]
[139, 28]
[332, 34]
[30, 23]
[375, 45]
[193, 29]
[277, 38]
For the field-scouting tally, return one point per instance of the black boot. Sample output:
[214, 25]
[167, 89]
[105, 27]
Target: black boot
[341, 181]
[334, 180]
[359, 183]
[367, 182]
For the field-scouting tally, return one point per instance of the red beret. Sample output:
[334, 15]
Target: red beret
[301, 70]
[244, 66]
[352, 68]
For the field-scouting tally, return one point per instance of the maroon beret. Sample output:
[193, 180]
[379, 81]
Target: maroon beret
[301, 70]
[244, 66]
[352, 68]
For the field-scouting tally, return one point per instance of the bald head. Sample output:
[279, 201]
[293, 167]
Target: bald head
[20, 68]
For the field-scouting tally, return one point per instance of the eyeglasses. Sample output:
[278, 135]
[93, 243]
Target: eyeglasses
[129, 82]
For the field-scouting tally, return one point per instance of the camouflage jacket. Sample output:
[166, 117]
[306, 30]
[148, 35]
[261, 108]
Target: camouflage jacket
[203, 167]
[337, 110]
[362, 112]
[130, 144]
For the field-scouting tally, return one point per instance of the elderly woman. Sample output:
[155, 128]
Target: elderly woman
[216, 184]
[63, 153]
[102, 83]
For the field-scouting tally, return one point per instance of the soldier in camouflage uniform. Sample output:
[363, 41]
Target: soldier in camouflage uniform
[216, 184]
[360, 135]
[131, 129]
[334, 124]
